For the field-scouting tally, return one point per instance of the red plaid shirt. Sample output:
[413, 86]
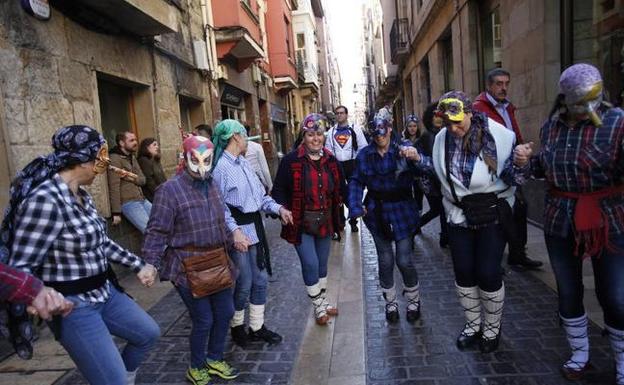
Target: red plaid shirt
[17, 286]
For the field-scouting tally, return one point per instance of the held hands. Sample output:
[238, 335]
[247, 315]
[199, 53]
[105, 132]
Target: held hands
[410, 153]
[522, 154]
[241, 242]
[147, 275]
[285, 216]
[50, 302]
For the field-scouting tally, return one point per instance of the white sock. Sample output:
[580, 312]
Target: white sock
[576, 332]
[492, 311]
[471, 303]
[318, 300]
[617, 344]
[323, 283]
[412, 294]
[131, 377]
[238, 319]
[256, 317]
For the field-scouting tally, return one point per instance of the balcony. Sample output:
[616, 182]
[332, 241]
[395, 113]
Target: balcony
[307, 72]
[399, 40]
[138, 17]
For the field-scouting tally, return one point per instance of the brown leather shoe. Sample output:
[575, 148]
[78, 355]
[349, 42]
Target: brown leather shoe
[322, 320]
[575, 374]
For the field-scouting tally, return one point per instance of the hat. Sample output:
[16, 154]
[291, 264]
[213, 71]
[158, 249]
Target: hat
[453, 105]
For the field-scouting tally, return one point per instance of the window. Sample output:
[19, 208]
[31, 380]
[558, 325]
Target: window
[116, 110]
[491, 40]
[288, 35]
[229, 112]
[595, 35]
[301, 56]
[190, 113]
[447, 62]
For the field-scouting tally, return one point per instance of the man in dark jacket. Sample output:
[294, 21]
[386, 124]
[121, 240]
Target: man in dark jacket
[493, 102]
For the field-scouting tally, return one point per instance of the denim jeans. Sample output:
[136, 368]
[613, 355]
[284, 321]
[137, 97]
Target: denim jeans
[608, 275]
[313, 253]
[86, 335]
[477, 256]
[210, 319]
[404, 260]
[137, 212]
[251, 283]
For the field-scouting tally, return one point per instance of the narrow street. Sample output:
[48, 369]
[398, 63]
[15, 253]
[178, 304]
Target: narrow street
[360, 347]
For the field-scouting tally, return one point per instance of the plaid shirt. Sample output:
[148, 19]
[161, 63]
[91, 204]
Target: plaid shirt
[17, 286]
[387, 173]
[240, 187]
[59, 240]
[185, 213]
[581, 159]
[463, 162]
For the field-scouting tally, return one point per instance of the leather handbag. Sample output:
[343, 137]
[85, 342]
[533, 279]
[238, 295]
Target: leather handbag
[209, 272]
[313, 220]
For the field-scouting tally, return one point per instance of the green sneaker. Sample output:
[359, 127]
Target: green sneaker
[222, 369]
[198, 376]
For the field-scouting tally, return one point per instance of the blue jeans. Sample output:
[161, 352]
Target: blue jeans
[313, 253]
[86, 335]
[210, 318]
[251, 282]
[386, 257]
[137, 212]
[477, 256]
[608, 275]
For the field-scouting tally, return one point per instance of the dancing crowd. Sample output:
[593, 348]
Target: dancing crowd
[204, 228]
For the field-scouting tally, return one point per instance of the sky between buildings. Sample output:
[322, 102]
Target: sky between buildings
[344, 20]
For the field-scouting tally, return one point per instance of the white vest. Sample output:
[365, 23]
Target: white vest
[481, 179]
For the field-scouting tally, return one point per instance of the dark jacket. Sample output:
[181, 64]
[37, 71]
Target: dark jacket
[289, 190]
[482, 104]
[154, 175]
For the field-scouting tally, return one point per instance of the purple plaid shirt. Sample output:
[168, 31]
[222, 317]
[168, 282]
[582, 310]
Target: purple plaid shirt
[185, 213]
[581, 159]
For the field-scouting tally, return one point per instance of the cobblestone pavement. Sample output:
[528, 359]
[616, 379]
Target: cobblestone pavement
[287, 311]
[532, 346]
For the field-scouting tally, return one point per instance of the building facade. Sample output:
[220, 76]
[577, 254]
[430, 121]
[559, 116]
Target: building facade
[440, 45]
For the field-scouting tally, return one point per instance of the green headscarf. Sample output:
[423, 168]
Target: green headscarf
[223, 131]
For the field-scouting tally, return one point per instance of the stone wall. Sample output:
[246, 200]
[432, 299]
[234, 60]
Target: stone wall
[49, 74]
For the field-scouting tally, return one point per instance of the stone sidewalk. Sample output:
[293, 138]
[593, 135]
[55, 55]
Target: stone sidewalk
[532, 347]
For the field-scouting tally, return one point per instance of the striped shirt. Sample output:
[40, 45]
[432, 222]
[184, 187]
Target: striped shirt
[581, 159]
[59, 240]
[241, 188]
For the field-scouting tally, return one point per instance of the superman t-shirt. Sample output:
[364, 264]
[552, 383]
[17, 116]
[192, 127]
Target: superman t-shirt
[342, 135]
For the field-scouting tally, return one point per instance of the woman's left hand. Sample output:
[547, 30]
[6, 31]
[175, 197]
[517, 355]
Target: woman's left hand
[410, 153]
[147, 275]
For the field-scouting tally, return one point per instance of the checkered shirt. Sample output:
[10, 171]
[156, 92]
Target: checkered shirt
[581, 159]
[59, 240]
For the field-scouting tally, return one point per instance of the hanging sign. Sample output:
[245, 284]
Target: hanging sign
[40, 9]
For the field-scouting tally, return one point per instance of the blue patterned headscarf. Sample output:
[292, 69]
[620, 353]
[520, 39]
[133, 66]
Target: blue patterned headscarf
[411, 118]
[72, 145]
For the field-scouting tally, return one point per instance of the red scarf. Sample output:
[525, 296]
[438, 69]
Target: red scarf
[591, 225]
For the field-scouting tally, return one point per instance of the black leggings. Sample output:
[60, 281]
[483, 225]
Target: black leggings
[477, 256]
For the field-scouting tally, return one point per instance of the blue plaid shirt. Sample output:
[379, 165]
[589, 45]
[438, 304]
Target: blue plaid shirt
[387, 173]
[581, 159]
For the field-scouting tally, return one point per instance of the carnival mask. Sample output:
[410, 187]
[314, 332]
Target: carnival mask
[581, 86]
[451, 109]
[101, 160]
[198, 152]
